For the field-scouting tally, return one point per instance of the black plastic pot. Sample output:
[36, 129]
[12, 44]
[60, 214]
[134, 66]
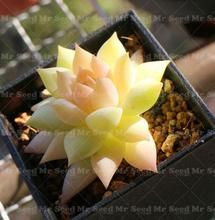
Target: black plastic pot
[150, 196]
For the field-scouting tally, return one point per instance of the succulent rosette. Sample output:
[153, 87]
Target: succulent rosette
[93, 115]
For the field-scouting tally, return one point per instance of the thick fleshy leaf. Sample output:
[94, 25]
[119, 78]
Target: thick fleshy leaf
[78, 176]
[138, 131]
[49, 78]
[55, 150]
[86, 77]
[105, 94]
[142, 97]
[39, 143]
[82, 96]
[65, 57]
[142, 155]
[153, 70]
[80, 144]
[82, 59]
[111, 50]
[132, 129]
[68, 112]
[99, 67]
[106, 161]
[124, 75]
[65, 82]
[104, 119]
[45, 118]
[42, 103]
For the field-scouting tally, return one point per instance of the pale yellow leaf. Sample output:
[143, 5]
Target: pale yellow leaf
[124, 75]
[65, 57]
[80, 144]
[153, 70]
[111, 50]
[142, 96]
[82, 59]
[45, 118]
[43, 102]
[106, 161]
[104, 119]
[132, 129]
[49, 78]
[142, 155]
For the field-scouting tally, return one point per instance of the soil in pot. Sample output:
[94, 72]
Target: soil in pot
[173, 126]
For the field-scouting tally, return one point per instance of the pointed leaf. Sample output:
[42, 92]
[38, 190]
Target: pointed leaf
[105, 94]
[82, 59]
[142, 155]
[55, 149]
[80, 144]
[124, 75]
[104, 119]
[99, 67]
[42, 103]
[65, 82]
[142, 97]
[138, 131]
[78, 176]
[111, 50]
[45, 118]
[65, 57]
[39, 143]
[132, 129]
[153, 70]
[82, 96]
[49, 78]
[106, 161]
[86, 77]
[68, 112]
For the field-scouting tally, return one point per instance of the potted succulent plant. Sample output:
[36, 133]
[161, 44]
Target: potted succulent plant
[92, 118]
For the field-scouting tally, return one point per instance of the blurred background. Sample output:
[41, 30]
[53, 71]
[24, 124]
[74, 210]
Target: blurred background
[30, 31]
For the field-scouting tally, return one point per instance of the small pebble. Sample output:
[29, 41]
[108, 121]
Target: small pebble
[168, 86]
[22, 118]
[168, 144]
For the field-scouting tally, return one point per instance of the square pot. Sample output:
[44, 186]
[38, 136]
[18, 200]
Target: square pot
[20, 95]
